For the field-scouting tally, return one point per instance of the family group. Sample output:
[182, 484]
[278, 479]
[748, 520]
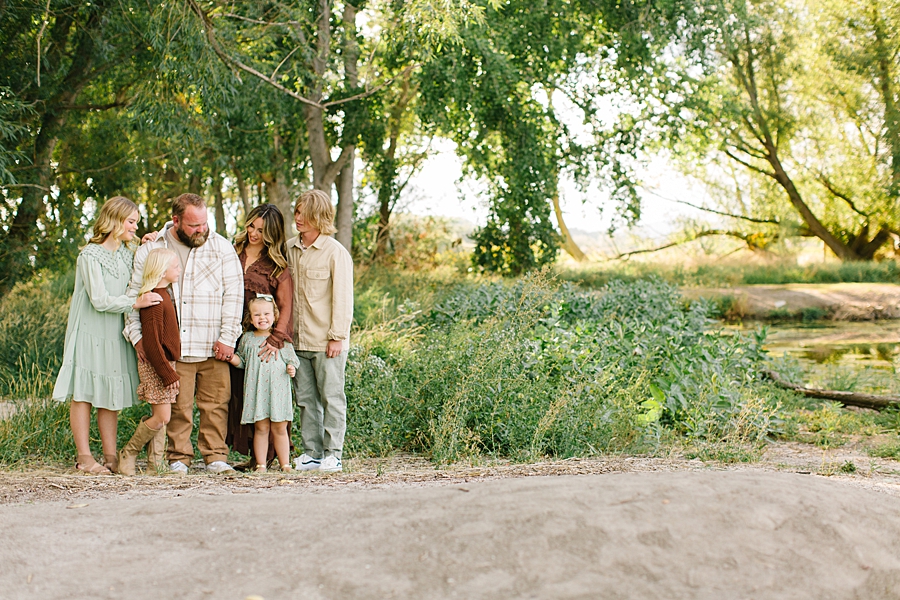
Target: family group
[186, 318]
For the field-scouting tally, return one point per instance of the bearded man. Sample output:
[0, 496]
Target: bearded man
[209, 300]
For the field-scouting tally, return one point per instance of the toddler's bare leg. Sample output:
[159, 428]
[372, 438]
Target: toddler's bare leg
[282, 443]
[261, 442]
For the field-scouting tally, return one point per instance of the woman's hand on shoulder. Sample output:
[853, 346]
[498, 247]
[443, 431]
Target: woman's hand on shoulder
[148, 299]
[268, 352]
[149, 237]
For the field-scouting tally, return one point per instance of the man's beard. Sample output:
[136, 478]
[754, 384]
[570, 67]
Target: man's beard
[192, 241]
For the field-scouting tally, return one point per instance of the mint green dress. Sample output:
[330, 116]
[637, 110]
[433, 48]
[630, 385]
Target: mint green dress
[99, 364]
[267, 386]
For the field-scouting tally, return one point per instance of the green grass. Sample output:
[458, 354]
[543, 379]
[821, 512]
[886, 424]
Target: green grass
[454, 367]
[596, 275]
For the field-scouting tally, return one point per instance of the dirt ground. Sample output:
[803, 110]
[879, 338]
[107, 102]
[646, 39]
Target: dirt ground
[792, 525]
[840, 301]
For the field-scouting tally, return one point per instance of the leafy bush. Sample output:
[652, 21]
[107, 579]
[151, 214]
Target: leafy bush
[32, 332]
[460, 368]
[531, 369]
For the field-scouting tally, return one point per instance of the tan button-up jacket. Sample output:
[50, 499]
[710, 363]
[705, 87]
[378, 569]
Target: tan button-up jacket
[323, 293]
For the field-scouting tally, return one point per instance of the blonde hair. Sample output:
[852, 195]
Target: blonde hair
[156, 265]
[111, 220]
[317, 210]
[273, 236]
[248, 323]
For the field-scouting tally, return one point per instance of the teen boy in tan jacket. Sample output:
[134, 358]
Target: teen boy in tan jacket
[323, 310]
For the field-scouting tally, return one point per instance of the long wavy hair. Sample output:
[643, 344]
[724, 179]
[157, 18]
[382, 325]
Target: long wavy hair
[156, 265]
[111, 220]
[273, 236]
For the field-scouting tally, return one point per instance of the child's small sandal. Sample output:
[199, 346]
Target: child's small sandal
[260, 469]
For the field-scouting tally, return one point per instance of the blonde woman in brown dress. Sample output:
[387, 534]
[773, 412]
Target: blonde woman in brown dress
[261, 250]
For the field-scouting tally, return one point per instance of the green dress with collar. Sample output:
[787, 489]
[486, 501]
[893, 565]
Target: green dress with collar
[99, 364]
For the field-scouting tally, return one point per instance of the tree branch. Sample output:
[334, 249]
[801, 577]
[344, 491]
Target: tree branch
[374, 90]
[335, 167]
[696, 236]
[228, 60]
[748, 165]
[823, 179]
[846, 398]
[718, 212]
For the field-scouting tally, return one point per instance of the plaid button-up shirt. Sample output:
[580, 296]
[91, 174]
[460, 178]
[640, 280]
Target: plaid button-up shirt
[210, 302]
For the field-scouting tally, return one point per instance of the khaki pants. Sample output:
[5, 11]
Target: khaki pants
[210, 382]
[319, 389]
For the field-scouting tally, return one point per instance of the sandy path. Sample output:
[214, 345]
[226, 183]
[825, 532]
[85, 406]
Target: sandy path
[842, 301]
[681, 534]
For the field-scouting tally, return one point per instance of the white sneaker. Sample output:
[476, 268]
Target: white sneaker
[218, 466]
[305, 462]
[178, 467]
[331, 464]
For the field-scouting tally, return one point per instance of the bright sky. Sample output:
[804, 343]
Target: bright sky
[437, 191]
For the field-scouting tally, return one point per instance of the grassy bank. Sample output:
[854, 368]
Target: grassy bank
[461, 368]
[719, 274]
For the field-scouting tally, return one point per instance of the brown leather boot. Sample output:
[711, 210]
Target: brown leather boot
[156, 451]
[128, 454]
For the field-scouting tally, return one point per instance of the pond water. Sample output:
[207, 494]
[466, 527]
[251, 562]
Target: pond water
[874, 344]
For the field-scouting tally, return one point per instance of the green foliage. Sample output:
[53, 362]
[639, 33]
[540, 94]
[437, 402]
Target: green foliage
[461, 368]
[32, 331]
[528, 369]
[753, 99]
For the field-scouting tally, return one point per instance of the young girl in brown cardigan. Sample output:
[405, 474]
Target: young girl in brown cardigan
[162, 346]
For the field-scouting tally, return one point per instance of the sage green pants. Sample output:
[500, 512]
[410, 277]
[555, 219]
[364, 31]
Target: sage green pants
[319, 390]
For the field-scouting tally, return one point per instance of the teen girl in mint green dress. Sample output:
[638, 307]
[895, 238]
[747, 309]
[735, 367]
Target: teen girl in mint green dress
[99, 365]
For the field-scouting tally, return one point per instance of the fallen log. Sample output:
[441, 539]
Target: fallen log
[846, 398]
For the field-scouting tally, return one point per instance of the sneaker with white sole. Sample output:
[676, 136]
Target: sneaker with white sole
[219, 466]
[178, 467]
[331, 464]
[305, 462]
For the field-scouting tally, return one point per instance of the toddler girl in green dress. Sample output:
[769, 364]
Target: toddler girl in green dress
[267, 385]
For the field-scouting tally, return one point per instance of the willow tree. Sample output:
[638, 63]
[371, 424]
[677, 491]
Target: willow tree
[493, 94]
[312, 51]
[60, 62]
[787, 110]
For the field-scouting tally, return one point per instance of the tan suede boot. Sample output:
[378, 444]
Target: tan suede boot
[128, 454]
[156, 450]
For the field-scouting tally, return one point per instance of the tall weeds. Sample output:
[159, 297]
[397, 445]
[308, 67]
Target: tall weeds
[456, 368]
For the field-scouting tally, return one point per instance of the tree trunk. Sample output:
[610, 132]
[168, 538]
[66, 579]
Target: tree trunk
[845, 398]
[279, 194]
[569, 244]
[19, 242]
[816, 227]
[219, 205]
[383, 236]
[350, 51]
[243, 191]
[344, 216]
